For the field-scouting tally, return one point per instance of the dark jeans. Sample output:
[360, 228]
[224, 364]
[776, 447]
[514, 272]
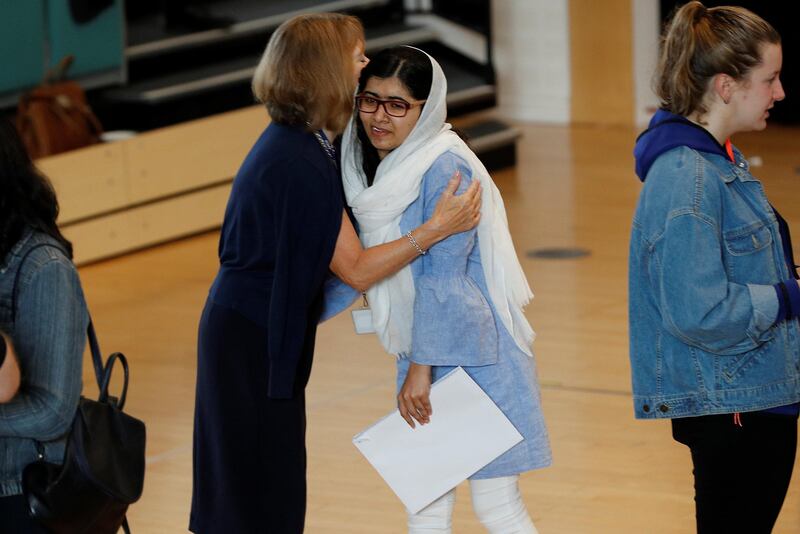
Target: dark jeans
[741, 473]
[14, 517]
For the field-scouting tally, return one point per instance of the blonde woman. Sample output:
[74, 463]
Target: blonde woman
[284, 228]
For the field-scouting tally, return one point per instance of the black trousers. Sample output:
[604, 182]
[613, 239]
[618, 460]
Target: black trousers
[741, 473]
[249, 450]
[14, 517]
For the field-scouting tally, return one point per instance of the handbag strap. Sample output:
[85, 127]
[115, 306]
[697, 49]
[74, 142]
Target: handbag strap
[102, 375]
[59, 71]
[104, 396]
[97, 358]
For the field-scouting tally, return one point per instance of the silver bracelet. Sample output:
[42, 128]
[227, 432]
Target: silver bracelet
[415, 244]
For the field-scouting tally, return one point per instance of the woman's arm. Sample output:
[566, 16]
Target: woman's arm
[9, 370]
[49, 339]
[360, 268]
[698, 302]
[439, 325]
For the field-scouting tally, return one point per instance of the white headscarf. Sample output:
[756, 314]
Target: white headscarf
[379, 208]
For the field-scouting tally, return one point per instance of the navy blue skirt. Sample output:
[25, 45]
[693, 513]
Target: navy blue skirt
[249, 450]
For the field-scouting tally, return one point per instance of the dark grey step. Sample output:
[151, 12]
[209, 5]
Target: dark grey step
[186, 83]
[490, 134]
[494, 142]
[147, 35]
[240, 70]
[465, 87]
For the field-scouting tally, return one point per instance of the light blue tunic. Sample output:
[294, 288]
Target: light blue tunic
[456, 324]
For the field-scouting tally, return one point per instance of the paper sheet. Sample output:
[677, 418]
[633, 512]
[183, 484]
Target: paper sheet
[466, 432]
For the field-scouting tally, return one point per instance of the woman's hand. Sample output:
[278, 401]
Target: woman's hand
[9, 372]
[414, 401]
[457, 213]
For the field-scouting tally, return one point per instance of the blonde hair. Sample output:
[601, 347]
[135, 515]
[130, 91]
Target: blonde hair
[306, 74]
[699, 43]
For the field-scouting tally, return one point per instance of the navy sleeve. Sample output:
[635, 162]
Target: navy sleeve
[308, 214]
[788, 299]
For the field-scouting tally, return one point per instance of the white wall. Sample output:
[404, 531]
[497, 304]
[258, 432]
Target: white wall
[466, 41]
[646, 30]
[531, 56]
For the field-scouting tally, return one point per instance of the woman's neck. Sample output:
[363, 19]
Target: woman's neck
[716, 121]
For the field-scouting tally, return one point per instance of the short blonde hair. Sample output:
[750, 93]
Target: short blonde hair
[306, 74]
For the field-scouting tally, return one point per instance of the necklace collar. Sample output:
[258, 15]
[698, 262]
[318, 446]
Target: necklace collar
[326, 145]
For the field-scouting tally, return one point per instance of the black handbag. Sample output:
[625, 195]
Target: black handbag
[103, 466]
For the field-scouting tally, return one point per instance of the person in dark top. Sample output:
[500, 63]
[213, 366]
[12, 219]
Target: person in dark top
[713, 294]
[284, 230]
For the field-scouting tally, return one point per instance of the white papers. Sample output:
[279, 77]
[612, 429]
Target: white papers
[467, 431]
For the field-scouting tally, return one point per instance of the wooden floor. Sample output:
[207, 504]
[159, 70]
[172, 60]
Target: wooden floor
[572, 187]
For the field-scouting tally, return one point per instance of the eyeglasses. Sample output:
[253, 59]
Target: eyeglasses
[393, 108]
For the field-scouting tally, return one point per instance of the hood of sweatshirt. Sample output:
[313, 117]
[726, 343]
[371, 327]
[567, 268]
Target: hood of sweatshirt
[667, 131]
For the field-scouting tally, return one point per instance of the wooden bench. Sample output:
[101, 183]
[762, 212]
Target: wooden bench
[154, 187]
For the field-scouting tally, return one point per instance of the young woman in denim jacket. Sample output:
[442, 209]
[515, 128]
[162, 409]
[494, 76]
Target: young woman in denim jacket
[714, 339]
[45, 322]
[460, 302]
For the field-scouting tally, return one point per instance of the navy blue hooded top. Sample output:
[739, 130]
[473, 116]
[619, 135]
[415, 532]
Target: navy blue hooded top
[667, 131]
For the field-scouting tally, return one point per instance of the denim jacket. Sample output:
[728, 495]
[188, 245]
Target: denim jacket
[48, 334]
[705, 253]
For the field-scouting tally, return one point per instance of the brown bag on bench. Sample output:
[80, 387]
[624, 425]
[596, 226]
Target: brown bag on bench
[55, 117]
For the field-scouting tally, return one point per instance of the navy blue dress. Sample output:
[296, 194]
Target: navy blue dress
[256, 337]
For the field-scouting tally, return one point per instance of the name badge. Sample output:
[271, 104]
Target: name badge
[362, 318]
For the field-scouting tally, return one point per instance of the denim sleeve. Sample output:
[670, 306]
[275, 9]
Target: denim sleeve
[698, 303]
[453, 321]
[49, 337]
